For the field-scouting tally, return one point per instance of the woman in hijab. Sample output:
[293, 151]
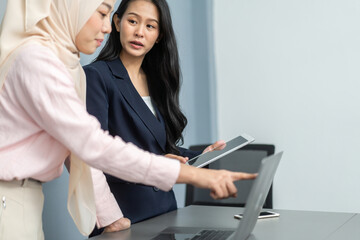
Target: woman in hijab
[44, 120]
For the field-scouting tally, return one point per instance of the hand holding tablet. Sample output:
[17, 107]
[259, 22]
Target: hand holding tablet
[211, 156]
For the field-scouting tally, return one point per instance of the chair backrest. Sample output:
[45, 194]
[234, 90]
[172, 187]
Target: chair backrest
[245, 159]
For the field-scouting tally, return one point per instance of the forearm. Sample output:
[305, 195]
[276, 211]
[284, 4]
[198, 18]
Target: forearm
[220, 182]
[187, 174]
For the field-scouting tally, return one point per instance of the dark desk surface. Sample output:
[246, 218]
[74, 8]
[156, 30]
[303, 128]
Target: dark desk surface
[291, 225]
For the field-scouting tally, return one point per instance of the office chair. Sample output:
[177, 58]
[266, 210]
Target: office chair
[245, 159]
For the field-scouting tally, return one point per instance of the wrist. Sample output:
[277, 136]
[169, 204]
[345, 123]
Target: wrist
[187, 174]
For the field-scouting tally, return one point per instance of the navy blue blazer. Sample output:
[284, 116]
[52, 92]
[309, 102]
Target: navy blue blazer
[113, 100]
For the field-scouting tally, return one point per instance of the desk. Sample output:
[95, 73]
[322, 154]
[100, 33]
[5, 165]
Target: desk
[350, 230]
[291, 225]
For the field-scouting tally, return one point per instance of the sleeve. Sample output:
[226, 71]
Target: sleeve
[47, 93]
[107, 208]
[97, 103]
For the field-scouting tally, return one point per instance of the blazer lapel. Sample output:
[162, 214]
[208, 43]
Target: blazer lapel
[127, 89]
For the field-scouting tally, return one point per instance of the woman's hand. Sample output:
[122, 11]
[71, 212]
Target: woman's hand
[218, 145]
[220, 182]
[176, 157]
[121, 224]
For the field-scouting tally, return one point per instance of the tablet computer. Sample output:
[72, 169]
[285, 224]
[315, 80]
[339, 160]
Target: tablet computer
[209, 157]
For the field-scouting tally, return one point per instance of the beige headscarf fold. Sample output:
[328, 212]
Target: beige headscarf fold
[54, 24]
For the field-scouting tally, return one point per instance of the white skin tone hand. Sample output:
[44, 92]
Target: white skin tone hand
[218, 145]
[220, 182]
[121, 224]
[177, 157]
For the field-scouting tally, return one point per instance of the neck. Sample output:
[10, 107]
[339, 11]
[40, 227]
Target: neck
[136, 74]
[132, 64]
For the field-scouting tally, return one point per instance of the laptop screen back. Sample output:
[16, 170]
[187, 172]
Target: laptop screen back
[257, 196]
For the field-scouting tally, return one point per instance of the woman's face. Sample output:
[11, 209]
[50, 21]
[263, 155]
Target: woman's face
[138, 28]
[93, 32]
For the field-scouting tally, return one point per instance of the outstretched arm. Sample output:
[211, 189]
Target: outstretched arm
[220, 182]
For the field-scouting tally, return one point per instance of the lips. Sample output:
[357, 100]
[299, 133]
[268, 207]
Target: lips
[99, 41]
[137, 43]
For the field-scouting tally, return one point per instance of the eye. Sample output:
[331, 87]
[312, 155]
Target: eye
[150, 26]
[103, 15]
[132, 21]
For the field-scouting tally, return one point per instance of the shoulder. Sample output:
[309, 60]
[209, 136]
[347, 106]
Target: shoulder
[40, 75]
[99, 79]
[37, 56]
[97, 71]
[38, 62]
[108, 70]
[96, 67]
[96, 75]
[35, 60]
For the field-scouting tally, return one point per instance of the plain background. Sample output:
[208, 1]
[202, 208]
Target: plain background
[286, 72]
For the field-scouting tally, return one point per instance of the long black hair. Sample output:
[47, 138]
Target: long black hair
[162, 69]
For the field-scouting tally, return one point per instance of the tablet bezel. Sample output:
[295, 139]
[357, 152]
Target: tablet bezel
[218, 154]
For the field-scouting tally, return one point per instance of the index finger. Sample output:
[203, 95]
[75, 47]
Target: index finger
[243, 176]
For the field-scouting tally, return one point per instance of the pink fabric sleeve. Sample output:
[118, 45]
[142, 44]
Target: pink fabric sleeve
[107, 208]
[47, 93]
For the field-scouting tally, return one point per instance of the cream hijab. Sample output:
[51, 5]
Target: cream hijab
[54, 24]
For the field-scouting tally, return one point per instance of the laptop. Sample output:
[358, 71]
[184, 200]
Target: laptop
[254, 203]
[232, 145]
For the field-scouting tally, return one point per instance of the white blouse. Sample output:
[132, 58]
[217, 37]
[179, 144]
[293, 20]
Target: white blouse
[147, 100]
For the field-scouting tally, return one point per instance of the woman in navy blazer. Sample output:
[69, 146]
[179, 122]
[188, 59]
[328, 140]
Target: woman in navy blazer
[133, 90]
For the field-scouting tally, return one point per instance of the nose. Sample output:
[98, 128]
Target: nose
[106, 28]
[139, 31]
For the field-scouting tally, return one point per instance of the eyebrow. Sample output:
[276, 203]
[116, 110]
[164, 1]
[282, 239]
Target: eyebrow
[107, 5]
[151, 19]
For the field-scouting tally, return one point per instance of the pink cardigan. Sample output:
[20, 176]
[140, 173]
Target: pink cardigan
[42, 119]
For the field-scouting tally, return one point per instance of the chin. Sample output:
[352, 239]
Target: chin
[137, 54]
[88, 51]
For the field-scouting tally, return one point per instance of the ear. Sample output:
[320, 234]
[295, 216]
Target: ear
[116, 20]
[159, 38]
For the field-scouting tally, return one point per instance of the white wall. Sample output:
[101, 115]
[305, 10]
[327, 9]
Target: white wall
[288, 73]
[2, 8]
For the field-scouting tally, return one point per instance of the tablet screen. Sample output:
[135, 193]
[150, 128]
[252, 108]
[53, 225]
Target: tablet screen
[232, 145]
